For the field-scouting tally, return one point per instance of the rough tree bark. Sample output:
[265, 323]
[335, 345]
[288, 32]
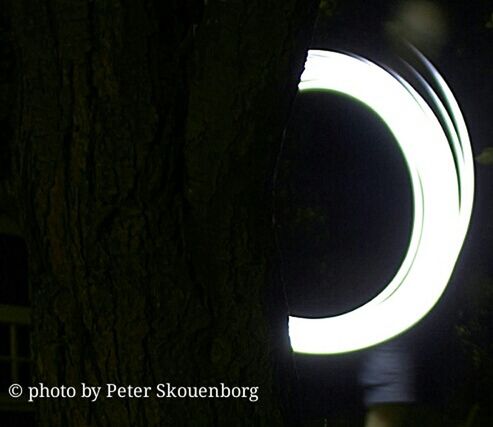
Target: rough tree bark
[145, 138]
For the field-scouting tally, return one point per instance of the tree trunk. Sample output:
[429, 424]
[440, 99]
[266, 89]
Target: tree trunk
[146, 134]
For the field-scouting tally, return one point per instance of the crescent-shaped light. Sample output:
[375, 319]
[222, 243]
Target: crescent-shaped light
[436, 147]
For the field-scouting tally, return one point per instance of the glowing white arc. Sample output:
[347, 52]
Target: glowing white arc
[440, 163]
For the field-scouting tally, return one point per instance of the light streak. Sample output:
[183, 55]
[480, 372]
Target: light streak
[437, 152]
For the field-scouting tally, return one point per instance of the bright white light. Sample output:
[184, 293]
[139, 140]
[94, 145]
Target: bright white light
[442, 179]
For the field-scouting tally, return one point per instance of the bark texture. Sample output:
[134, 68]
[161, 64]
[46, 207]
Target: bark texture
[145, 138]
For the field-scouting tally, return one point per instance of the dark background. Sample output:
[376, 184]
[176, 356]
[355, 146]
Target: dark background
[341, 238]
[345, 212]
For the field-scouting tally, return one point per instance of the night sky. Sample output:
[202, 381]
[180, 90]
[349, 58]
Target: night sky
[347, 205]
[351, 191]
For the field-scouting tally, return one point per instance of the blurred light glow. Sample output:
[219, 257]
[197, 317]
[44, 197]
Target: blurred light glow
[437, 151]
[422, 22]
